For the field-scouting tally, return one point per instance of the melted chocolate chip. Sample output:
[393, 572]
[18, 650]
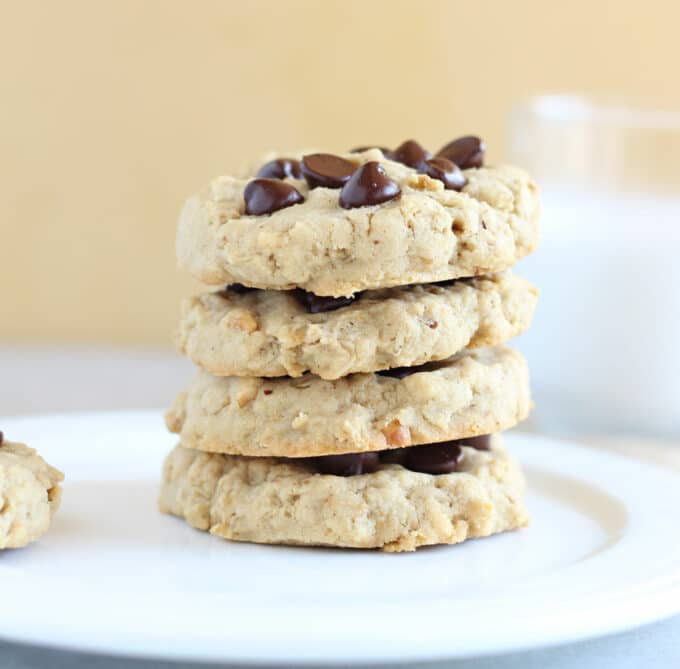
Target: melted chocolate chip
[445, 171]
[394, 456]
[281, 168]
[368, 185]
[445, 283]
[347, 464]
[411, 154]
[403, 372]
[360, 149]
[465, 151]
[239, 288]
[481, 443]
[315, 304]
[442, 458]
[327, 170]
[265, 196]
[398, 372]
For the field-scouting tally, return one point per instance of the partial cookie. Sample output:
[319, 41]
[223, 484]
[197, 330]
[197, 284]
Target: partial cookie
[424, 235]
[263, 500]
[475, 392]
[29, 494]
[272, 333]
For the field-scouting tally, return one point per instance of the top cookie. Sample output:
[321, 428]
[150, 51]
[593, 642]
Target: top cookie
[389, 225]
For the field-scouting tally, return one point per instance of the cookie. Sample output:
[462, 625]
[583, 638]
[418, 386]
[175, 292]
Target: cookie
[273, 333]
[29, 494]
[475, 392]
[317, 241]
[264, 500]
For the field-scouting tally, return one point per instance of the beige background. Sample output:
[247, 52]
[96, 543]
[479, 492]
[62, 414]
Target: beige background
[112, 112]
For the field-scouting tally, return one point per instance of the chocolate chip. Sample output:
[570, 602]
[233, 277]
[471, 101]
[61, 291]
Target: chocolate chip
[445, 171]
[239, 288]
[481, 443]
[411, 154]
[265, 196]
[347, 464]
[316, 304]
[281, 168]
[327, 170]
[442, 458]
[361, 149]
[267, 391]
[465, 151]
[445, 283]
[394, 456]
[398, 372]
[368, 185]
[403, 372]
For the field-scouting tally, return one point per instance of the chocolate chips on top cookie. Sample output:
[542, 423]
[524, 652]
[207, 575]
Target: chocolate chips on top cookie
[445, 171]
[360, 149]
[327, 170]
[411, 154]
[265, 196]
[369, 185]
[281, 168]
[465, 151]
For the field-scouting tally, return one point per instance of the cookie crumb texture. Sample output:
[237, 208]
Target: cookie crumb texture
[475, 392]
[269, 333]
[262, 500]
[29, 495]
[426, 234]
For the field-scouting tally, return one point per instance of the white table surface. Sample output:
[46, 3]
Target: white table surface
[42, 379]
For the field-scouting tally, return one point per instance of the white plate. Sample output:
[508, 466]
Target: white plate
[115, 576]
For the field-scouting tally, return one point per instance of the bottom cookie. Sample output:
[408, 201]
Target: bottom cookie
[29, 494]
[271, 501]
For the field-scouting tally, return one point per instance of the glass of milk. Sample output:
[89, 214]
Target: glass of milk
[605, 346]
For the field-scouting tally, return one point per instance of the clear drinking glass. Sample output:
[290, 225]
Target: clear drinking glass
[605, 347]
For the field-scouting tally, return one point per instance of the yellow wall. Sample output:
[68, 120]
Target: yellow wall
[112, 112]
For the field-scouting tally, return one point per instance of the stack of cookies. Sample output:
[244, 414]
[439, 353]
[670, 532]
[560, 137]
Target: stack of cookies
[353, 377]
